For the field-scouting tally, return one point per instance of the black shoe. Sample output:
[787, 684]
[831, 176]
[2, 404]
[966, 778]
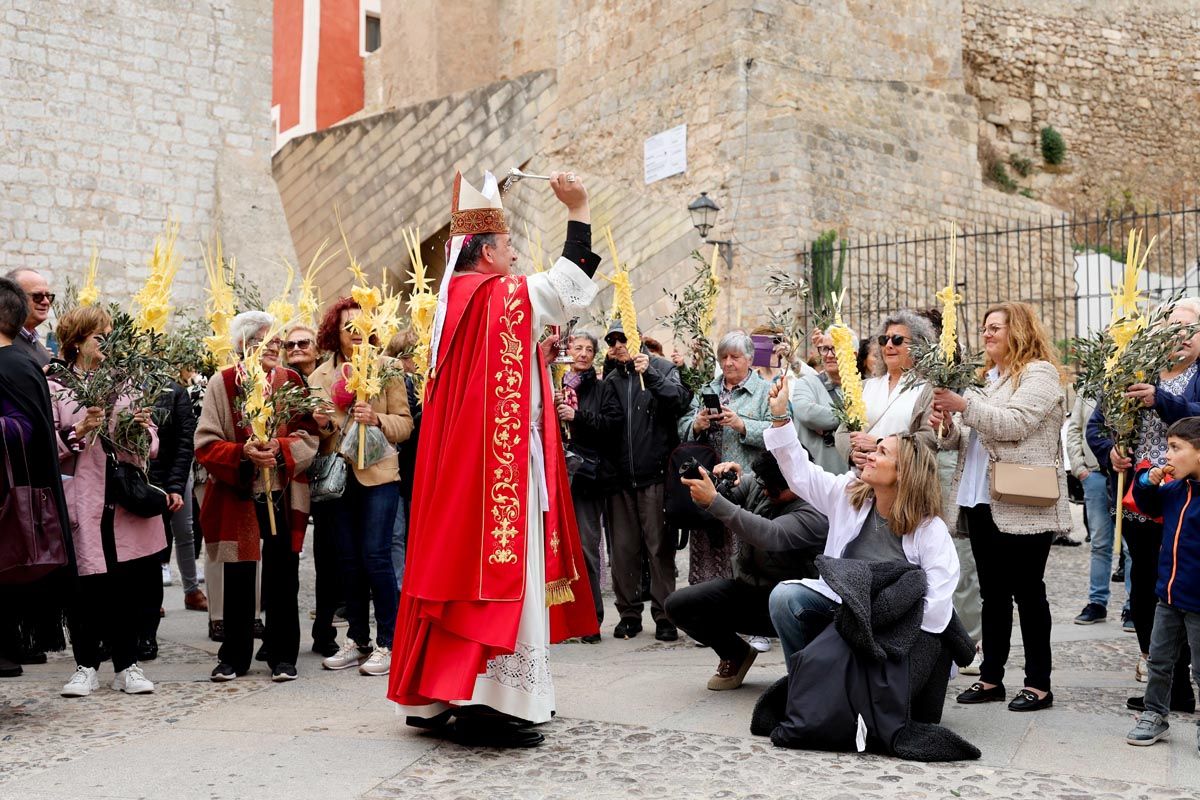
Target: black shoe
[627, 628]
[325, 649]
[10, 669]
[438, 722]
[665, 632]
[591, 638]
[283, 672]
[1091, 614]
[977, 694]
[216, 630]
[258, 629]
[147, 650]
[33, 657]
[1063, 540]
[1119, 575]
[223, 672]
[1028, 701]
[1183, 706]
[476, 732]
[262, 654]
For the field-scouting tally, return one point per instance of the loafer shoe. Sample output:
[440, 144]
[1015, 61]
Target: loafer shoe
[1028, 701]
[665, 631]
[472, 732]
[627, 628]
[976, 693]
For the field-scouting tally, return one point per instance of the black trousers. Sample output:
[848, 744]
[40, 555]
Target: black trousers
[328, 569]
[280, 585]
[1145, 542]
[111, 607]
[716, 611]
[1012, 567]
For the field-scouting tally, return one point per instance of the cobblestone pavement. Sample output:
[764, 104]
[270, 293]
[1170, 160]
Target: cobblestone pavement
[634, 721]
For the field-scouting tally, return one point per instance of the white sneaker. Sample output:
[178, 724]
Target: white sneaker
[348, 656]
[132, 680]
[973, 667]
[1141, 673]
[166, 571]
[83, 682]
[379, 662]
[760, 643]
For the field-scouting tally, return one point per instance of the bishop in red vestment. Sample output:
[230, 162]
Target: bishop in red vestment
[494, 569]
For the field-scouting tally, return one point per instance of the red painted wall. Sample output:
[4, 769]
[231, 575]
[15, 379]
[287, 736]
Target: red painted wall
[340, 67]
[288, 33]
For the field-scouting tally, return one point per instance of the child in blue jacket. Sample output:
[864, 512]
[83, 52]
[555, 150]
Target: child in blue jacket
[1177, 616]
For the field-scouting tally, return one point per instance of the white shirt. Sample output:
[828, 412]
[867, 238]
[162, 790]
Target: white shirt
[929, 546]
[975, 489]
[889, 411]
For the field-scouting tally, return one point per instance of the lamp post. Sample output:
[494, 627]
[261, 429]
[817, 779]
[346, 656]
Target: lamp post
[704, 216]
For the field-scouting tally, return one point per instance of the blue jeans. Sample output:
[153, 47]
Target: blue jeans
[399, 541]
[1100, 525]
[799, 614]
[363, 521]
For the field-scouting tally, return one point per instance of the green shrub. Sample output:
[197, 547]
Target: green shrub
[1054, 149]
[1022, 166]
[998, 175]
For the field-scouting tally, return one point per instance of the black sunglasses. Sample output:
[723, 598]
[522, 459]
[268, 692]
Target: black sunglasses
[299, 344]
[42, 297]
[614, 338]
[895, 338]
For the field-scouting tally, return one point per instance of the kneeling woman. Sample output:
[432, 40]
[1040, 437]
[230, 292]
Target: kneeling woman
[889, 513]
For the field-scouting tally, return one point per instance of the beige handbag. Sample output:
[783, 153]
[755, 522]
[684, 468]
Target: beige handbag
[1025, 484]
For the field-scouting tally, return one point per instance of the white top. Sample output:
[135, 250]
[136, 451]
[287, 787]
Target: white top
[929, 546]
[974, 489]
[889, 412]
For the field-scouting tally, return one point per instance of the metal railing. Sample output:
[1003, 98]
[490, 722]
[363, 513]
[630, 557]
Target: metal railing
[1065, 268]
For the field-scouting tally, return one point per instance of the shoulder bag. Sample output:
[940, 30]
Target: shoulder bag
[31, 533]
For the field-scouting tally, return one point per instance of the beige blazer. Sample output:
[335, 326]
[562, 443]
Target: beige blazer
[395, 420]
[1018, 424]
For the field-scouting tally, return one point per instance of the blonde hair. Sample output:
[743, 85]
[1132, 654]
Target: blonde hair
[402, 342]
[918, 491]
[1027, 340]
[77, 325]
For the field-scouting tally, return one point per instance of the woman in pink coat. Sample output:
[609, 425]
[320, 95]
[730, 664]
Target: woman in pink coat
[115, 551]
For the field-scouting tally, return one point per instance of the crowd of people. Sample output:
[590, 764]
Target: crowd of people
[773, 479]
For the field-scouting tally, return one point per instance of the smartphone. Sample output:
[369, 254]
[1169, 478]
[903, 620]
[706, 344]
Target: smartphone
[711, 402]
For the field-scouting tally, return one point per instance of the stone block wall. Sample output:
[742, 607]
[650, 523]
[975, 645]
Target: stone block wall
[119, 114]
[1119, 80]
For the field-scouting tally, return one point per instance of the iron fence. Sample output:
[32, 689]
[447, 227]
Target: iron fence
[1065, 268]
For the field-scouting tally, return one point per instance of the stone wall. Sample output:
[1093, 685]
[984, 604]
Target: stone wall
[119, 114]
[1120, 80]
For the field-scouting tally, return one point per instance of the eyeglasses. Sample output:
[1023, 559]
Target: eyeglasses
[896, 340]
[991, 330]
[299, 344]
[825, 350]
[42, 297]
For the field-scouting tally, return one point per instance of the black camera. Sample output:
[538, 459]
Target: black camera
[691, 469]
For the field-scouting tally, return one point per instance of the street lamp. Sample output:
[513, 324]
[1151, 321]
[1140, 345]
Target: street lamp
[704, 216]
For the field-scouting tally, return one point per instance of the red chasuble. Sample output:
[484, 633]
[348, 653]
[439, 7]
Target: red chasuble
[464, 581]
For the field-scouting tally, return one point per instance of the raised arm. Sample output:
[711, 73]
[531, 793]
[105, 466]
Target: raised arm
[567, 287]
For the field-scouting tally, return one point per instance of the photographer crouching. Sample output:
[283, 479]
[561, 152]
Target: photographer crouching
[780, 535]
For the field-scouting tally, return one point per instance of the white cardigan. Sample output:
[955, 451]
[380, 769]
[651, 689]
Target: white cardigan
[929, 546]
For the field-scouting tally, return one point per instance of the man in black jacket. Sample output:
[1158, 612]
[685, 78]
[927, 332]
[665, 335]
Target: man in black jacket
[171, 471]
[589, 409]
[780, 535]
[651, 399]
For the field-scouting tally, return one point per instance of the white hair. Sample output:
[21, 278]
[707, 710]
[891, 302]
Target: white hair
[736, 340]
[1191, 304]
[245, 325]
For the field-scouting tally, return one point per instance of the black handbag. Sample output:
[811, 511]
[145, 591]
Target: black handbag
[127, 486]
[327, 478]
[31, 534]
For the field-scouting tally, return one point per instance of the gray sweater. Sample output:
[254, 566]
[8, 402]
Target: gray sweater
[778, 540]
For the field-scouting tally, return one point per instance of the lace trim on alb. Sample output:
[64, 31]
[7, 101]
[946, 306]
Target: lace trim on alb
[572, 284]
[527, 670]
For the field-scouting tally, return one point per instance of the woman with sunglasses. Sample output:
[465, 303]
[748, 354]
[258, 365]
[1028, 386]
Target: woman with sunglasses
[300, 350]
[891, 512]
[1017, 417]
[364, 516]
[892, 406]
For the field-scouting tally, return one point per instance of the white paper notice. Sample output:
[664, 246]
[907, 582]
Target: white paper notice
[665, 154]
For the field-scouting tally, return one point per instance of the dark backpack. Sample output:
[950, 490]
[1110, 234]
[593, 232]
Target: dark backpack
[683, 515]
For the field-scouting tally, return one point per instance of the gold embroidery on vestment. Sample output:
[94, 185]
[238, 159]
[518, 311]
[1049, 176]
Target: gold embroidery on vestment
[504, 493]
